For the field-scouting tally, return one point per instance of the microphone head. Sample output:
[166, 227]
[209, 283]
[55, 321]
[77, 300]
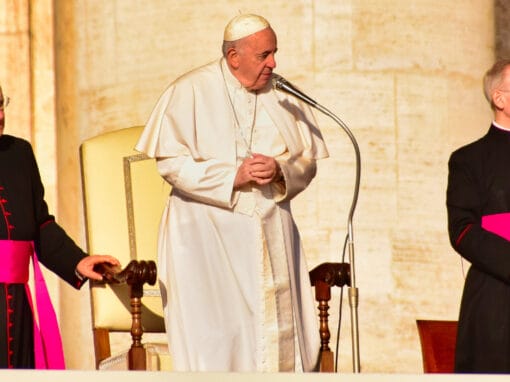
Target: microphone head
[278, 81]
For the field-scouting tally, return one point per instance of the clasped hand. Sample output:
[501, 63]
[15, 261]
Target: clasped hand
[258, 168]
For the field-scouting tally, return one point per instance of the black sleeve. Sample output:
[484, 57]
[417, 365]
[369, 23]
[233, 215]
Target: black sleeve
[59, 253]
[465, 202]
[55, 249]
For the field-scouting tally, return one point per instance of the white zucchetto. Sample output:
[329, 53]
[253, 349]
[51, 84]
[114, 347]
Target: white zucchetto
[244, 25]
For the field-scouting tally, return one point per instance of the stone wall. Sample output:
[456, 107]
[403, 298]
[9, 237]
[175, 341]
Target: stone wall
[404, 76]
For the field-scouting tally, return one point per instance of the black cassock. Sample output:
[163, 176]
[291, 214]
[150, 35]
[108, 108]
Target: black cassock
[24, 216]
[479, 185]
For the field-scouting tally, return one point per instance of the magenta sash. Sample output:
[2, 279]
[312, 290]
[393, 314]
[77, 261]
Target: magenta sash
[15, 259]
[498, 224]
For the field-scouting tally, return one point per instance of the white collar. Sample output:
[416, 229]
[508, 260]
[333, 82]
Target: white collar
[500, 127]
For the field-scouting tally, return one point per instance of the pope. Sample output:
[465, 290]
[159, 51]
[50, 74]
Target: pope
[231, 264]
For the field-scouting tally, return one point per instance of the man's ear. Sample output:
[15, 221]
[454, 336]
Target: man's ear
[498, 99]
[233, 58]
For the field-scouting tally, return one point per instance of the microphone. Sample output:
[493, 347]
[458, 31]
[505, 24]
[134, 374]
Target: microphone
[281, 83]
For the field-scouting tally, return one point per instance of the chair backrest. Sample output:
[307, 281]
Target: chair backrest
[438, 339]
[124, 198]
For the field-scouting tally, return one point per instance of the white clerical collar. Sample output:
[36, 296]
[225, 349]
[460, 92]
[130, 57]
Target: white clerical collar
[500, 127]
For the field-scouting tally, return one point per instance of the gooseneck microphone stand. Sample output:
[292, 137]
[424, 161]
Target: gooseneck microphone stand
[281, 84]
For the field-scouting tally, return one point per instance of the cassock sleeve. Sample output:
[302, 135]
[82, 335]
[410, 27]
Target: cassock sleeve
[483, 249]
[304, 142]
[59, 253]
[55, 249]
[209, 181]
[297, 175]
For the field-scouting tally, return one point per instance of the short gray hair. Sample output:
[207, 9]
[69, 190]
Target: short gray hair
[493, 78]
[227, 45]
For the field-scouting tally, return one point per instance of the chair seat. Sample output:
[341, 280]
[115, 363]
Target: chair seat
[157, 355]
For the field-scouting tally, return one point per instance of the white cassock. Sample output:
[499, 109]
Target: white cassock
[233, 275]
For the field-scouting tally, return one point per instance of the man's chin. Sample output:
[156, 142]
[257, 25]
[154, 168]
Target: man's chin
[260, 84]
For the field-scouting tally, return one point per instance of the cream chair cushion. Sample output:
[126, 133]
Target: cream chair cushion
[157, 358]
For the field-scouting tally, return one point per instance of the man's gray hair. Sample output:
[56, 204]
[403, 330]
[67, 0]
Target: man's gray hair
[493, 79]
[227, 45]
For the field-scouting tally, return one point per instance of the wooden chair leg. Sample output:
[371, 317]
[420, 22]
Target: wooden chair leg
[323, 295]
[136, 356]
[101, 345]
[323, 277]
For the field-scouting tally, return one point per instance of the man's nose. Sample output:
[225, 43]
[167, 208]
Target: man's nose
[271, 61]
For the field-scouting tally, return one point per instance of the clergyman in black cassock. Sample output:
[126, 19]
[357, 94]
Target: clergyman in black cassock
[24, 218]
[478, 190]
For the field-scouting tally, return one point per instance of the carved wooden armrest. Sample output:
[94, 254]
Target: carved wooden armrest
[136, 274]
[323, 277]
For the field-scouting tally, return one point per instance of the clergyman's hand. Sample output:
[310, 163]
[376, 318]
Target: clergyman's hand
[86, 265]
